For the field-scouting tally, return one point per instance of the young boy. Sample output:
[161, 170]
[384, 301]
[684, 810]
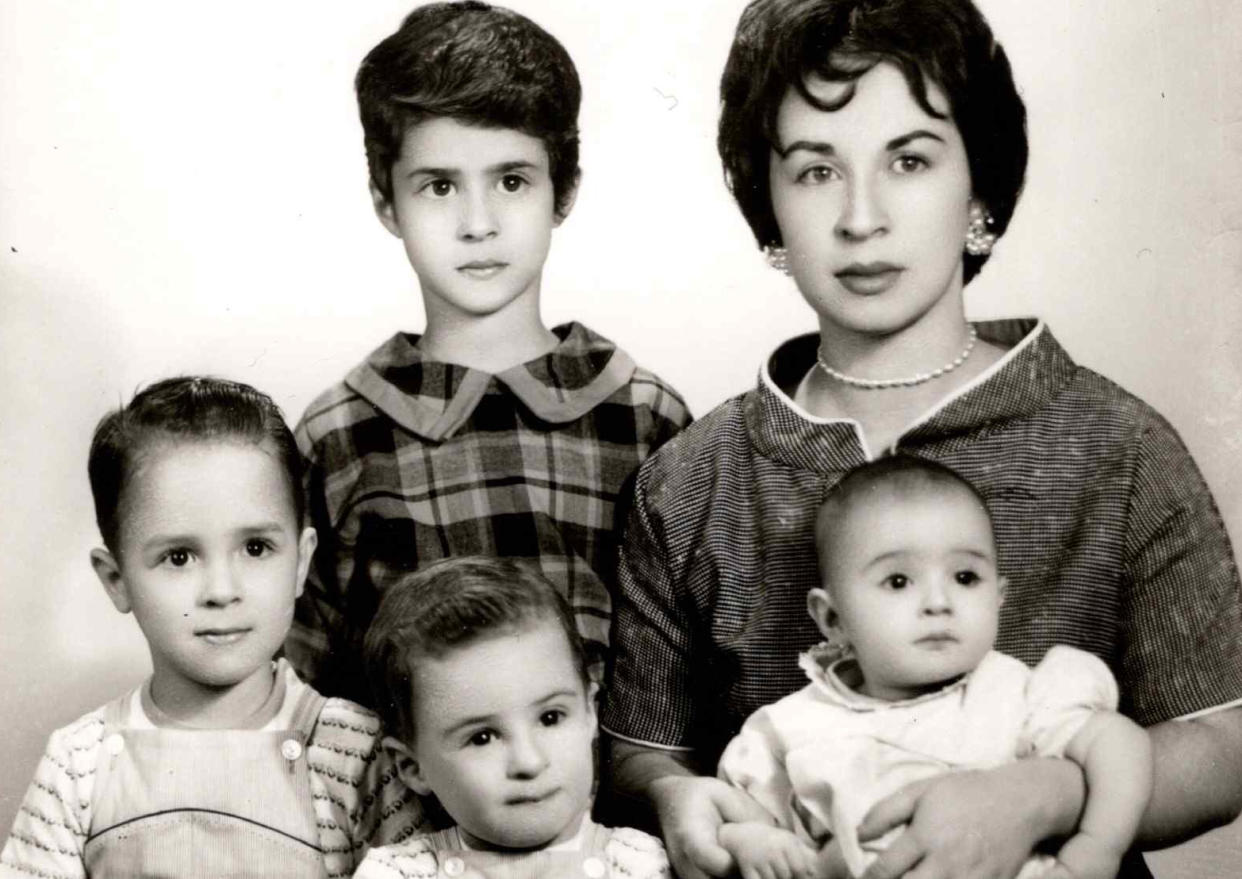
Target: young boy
[907, 687]
[490, 433]
[223, 763]
[482, 680]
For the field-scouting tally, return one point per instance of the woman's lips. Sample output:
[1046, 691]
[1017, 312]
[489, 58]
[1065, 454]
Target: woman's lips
[868, 279]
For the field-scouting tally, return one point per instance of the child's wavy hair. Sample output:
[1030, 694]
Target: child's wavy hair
[779, 44]
[481, 65]
[186, 409]
[448, 605]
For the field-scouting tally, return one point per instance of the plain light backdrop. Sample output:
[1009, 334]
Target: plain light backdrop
[183, 189]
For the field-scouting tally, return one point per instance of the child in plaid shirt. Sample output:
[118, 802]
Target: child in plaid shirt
[489, 433]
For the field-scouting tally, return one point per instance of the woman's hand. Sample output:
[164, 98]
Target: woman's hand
[691, 810]
[970, 825]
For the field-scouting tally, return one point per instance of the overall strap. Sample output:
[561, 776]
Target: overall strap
[306, 712]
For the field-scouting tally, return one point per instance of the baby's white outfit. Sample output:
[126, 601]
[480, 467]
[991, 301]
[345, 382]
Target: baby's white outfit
[820, 758]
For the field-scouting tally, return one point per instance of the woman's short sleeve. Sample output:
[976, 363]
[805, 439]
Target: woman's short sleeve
[1063, 691]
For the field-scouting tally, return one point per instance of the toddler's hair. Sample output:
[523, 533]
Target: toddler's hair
[903, 474]
[481, 65]
[780, 43]
[448, 605]
[186, 409]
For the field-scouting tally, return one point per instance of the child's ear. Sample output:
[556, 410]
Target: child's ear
[570, 197]
[384, 210]
[819, 606]
[307, 542]
[1002, 586]
[407, 767]
[592, 697]
[109, 574]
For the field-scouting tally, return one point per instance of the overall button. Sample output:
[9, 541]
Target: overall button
[594, 868]
[454, 866]
[291, 749]
[115, 744]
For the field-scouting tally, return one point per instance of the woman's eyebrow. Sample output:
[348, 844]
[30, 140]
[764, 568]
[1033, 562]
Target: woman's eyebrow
[898, 142]
[824, 148]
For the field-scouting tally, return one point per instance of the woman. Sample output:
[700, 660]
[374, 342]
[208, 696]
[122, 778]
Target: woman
[877, 150]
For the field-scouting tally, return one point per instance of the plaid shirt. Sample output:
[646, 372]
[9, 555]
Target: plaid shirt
[410, 460]
[1106, 531]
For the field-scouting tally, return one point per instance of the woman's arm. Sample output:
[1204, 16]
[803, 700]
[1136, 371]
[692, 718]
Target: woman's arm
[1198, 778]
[689, 808]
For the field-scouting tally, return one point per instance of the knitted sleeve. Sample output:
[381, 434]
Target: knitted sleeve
[52, 823]
[632, 853]
[359, 799]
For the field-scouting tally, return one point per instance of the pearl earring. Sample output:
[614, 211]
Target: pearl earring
[778, 258]
[979, 241]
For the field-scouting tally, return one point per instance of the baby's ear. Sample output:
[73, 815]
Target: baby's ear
[109, 574]
[819, 606]
[407, 767]
[1002, 586]
[384, 210]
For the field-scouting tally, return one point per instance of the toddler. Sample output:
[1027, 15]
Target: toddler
[908, 687]
[223, 763]
[481, 678]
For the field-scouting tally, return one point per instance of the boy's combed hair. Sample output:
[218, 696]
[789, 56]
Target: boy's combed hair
[900, 473]
[178, 410]
[779, 44]
[479, 64]
[448, 605]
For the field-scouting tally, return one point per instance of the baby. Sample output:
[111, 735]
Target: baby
[481, 677]
[908, 687]
[223, 763]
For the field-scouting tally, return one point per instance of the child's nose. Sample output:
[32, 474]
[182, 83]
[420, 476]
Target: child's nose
[220, 585]
[936, 598]
[477, 220]
[527, 757]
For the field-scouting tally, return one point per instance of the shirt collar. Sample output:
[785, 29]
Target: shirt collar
[434, 399]
[827, 669]
[1031, 373]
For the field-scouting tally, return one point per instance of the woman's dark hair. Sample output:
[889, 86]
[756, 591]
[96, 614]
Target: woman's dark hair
[781, 43]
[481, 65]
[186, 409]
[448, 605]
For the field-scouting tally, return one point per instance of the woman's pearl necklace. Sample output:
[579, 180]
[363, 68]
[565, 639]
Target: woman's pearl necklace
[880, 384]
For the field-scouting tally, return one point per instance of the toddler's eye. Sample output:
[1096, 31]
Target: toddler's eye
[178, 558]
[257, 548]
[512, 183]
[967, 578]
[908, 164]
[896, 581]
[818, 174]
[482, 737]
[552, 717]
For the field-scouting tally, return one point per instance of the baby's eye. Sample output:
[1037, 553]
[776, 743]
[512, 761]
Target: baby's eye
[967, 578]
[896, 581]
[512, 183]
[439, 188]
[256, 547]
[909, 164]
[817, 175]
[552, 717]
[482, 738]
